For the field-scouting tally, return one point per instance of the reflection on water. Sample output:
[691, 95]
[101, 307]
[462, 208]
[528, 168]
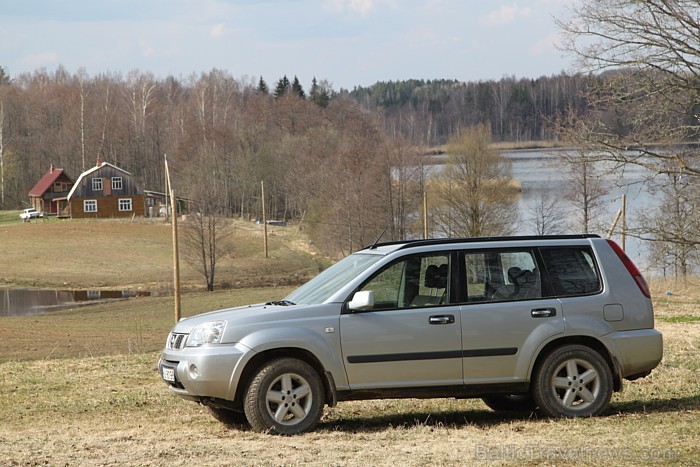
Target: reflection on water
[18, 302]
[540, 176]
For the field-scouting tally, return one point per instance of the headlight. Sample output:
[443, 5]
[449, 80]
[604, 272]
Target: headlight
[206, 333]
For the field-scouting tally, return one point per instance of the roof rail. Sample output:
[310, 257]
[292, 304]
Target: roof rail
[442, 241]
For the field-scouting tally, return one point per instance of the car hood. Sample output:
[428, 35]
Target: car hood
[251, 315]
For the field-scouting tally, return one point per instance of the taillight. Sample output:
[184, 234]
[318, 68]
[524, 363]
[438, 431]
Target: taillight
[634, 272]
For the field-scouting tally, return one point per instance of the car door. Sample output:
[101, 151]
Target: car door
[411, 335]
[505, 318]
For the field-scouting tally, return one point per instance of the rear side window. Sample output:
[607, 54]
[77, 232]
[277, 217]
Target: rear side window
[501, 275]
[572, 271]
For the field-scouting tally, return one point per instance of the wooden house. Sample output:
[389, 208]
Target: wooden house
[106, 191]
[49, 195]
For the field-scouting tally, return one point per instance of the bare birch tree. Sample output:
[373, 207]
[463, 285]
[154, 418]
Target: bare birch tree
[476, 195]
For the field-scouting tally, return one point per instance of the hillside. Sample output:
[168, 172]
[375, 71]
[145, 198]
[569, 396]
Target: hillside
[120, 254]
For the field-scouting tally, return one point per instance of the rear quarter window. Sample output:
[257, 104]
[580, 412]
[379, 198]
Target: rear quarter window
[571, 270]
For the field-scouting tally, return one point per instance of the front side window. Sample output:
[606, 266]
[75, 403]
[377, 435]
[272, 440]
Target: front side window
[97, 184]
[117, 183]
[572, 271]
[90, 205]
[415, 281]
[502, 275]
[125, 204]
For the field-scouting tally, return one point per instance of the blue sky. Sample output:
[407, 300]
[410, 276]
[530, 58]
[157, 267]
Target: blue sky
[346, 42]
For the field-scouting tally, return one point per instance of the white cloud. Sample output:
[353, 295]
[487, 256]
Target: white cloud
[506, 14]
[546, 45]
[217, 30]
[359, 6]
[147, 51]
[40, 60]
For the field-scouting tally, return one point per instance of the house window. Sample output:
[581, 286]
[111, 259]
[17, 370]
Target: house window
[116, 183]
[125, 204]
[90, 205]
[97, 184]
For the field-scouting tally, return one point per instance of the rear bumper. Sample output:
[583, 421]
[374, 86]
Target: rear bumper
[637, 352]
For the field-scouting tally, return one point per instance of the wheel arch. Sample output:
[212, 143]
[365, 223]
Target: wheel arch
[587, 341]
[262, 358]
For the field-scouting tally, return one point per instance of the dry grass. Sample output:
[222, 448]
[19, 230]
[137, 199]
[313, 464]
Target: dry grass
[114, 411]
[109, 407]
[121, 254]
[80, 387]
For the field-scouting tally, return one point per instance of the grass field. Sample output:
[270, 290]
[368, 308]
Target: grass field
[80, 387]
[118, 254]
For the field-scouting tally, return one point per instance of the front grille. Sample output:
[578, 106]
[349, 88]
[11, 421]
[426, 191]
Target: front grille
[176, 341]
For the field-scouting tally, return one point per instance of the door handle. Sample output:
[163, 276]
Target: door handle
[543, 312]
[441, 319]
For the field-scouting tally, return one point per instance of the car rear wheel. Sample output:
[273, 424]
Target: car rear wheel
[573, 381]
[285, 397]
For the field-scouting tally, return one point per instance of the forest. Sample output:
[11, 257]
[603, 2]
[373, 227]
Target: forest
[347, 164]
[325, 157]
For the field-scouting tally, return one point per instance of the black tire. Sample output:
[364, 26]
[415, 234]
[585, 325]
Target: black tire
[573, 381]
[228, 417]
[285, 397]
[510, 402]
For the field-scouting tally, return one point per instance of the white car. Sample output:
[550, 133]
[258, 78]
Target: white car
[29, 214]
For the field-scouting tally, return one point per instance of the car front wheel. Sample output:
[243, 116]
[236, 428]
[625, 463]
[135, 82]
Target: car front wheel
[285, 397]
[573, 381]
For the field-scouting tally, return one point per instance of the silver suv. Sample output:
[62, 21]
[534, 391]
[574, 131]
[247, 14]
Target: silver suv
[551, 323]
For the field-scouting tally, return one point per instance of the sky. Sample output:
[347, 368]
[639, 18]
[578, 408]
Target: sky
[347, 43]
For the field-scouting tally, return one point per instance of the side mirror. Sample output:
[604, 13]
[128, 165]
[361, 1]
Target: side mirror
[362, 300]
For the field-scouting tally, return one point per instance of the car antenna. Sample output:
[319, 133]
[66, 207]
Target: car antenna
[374, 245]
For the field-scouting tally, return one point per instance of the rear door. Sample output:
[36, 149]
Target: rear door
[412, 335]
[505, 318]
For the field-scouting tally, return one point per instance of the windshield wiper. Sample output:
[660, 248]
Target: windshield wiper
[280, 303]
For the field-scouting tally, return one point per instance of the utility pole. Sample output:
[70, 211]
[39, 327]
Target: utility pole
[176, 257]
[167, 188]
[264, 217]
[624, 221]
[425, 214]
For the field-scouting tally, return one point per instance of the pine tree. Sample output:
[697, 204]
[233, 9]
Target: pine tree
[4, 77]
[297, 89]
[262, 87]
[282, 87]
[319, 94]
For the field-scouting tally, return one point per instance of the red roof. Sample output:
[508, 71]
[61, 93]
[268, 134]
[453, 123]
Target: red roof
[45, 183]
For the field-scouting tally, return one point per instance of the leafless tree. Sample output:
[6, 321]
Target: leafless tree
[205, 233]
[673, 227]
[547, 215]
[649, 99]
[475, 194]
[586, 191]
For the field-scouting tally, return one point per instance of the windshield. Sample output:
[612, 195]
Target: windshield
[323, 286]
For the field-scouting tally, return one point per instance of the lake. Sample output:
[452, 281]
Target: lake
[20, 302]
[539, 176]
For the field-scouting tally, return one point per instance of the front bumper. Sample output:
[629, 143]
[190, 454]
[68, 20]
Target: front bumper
[207, 371]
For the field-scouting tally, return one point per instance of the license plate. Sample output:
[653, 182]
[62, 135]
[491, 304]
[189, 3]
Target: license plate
[169, 374]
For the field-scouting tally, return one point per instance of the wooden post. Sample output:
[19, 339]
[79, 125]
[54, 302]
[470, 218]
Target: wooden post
[425, 214]
[167, 187]
[176, 258]
[624, 221]
[264, 217]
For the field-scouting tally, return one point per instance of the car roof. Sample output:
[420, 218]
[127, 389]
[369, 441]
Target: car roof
[400, 245]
